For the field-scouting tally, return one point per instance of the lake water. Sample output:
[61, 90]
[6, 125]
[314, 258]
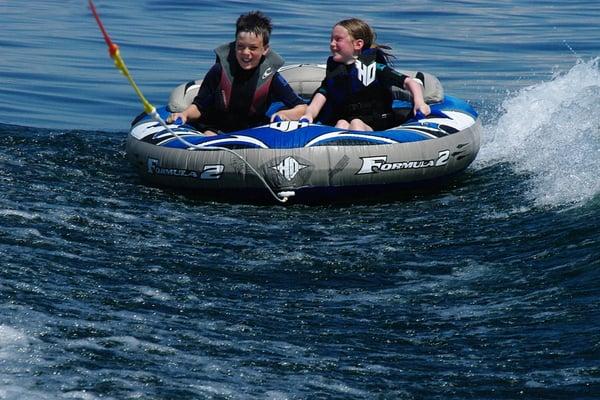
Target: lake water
[487, 289]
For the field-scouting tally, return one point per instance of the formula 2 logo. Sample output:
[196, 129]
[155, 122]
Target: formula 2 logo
[373, 165]
[208, 172]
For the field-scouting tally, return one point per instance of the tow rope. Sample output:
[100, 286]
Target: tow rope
[115, 54]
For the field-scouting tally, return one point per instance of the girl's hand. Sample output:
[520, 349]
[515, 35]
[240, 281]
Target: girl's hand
[423, 108]
[306, 118]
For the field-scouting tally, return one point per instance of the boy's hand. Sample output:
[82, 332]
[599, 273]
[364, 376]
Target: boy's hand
[177, 118]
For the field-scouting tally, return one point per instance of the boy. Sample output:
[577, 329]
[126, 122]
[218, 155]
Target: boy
[240, 87]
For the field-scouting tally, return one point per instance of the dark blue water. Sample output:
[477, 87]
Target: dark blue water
[486, 289]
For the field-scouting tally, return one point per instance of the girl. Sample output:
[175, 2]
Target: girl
[356, 91]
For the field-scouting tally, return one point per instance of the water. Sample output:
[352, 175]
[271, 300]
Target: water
[486, 289]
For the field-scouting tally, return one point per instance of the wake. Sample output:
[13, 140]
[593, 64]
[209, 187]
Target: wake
[551, 132]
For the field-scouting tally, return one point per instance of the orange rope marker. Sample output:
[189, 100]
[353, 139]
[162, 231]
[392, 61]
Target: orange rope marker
[115, 54]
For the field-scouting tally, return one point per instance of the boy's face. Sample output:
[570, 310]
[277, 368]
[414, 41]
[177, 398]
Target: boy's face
[249, 49]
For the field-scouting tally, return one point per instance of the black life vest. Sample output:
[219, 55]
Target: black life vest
[355, 90]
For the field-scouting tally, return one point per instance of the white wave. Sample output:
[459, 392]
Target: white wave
[11, 338]
[17, 213]
[551, 133]
[17, 357]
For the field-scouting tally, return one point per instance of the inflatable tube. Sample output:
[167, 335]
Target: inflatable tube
[306, 163]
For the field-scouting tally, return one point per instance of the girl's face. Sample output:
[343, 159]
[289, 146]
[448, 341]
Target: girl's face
[343, 46]
[249, 50]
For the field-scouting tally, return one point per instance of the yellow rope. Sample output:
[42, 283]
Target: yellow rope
[115, 54]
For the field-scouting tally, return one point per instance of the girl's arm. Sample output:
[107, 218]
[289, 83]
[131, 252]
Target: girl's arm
[416, 90]
[295, 106]
[315, 106]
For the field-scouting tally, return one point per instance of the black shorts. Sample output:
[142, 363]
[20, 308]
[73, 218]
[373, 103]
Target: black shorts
[381, 122]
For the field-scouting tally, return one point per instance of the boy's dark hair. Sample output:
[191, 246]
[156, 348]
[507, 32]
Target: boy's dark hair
[255, 22]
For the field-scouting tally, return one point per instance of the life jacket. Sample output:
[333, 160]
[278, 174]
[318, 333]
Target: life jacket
[356, 91]
[266, 70]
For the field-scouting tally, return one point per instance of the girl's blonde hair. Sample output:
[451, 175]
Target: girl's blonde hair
[359, 29]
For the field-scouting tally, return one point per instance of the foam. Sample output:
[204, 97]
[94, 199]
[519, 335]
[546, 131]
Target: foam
[550, 133]
[18, 213]
[10, 337]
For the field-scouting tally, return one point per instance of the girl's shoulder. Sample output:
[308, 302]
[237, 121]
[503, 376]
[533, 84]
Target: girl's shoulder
[374, 54]
[334, 68]
[331, 64]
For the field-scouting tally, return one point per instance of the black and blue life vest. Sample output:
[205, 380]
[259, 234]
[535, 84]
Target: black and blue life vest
[356, 90]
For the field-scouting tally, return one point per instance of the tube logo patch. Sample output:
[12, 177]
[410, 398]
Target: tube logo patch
[287, 171]
[289, 168]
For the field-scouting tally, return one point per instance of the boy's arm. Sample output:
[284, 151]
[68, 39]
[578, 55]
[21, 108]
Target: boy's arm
[204, 97]
[292, 114]
[189, 113]
[282, 91]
